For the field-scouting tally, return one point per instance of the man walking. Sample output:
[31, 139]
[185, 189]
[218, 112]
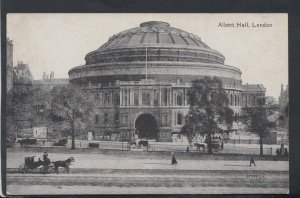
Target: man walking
[252, 161]
[174, 161]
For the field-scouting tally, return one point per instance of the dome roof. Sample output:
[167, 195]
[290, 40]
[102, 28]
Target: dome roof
[153, 33]
[163, 43]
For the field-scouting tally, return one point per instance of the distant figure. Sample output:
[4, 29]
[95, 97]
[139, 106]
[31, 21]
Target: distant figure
[187, 149]
[252, 161]
[174, 161]
[43, 142]
[286, 153]
[46, 159]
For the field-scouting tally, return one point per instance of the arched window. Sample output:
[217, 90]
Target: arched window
[179, 119]
[235, 100]
[166, 120]
[180, 99]
[117, 117]
[106, 98]
[156, 98]
[96, 119]
[105, 118]
[126, 120]
[117, 98]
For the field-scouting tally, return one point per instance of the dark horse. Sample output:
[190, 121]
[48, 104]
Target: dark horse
[199, 145]
[144, 143]
[64, 164]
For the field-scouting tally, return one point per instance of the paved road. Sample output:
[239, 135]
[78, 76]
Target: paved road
[99, 173]
[103, 161]
[151, 181]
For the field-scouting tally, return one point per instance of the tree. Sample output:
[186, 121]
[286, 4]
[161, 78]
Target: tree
[18, 108]
[70, 109]
[208, 108]
[258, 118]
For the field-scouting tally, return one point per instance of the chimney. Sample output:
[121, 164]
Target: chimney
[281, 88]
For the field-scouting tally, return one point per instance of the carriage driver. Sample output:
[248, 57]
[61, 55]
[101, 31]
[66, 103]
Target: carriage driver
[46, 159]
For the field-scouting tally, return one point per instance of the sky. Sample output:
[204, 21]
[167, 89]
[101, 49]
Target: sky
[58, 42]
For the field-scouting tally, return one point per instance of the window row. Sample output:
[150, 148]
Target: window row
[105, 118]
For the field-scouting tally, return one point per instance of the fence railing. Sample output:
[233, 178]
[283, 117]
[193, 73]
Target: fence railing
[125, 146]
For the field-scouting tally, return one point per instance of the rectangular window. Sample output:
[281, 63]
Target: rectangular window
[165, 95]
[146, 97]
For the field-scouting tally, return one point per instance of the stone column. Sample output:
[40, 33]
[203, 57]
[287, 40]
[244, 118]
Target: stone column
[170, 99]
[159, 97]
[140, 96]
[152, 97]
[121, 96]
[184, 97]
[128, 96]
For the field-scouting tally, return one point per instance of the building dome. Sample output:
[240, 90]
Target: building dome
[168, 52]
[164, 42]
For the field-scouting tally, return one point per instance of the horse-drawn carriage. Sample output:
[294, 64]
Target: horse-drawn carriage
[216, 144]
[139, 143]
[31, 165]
[61, 142]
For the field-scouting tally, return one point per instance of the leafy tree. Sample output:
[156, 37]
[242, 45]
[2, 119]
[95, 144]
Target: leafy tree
[70, 109]
[258, 118]
[208, 108]
[18, 111]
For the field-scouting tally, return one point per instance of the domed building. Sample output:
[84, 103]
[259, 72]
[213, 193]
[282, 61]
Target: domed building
[140, 77]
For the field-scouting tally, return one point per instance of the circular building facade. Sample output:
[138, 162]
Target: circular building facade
[139, 80]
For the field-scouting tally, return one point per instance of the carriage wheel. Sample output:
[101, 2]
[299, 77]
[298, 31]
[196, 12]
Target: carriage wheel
[43, 170]
[23, 168]
[47, 169]
[50, 169]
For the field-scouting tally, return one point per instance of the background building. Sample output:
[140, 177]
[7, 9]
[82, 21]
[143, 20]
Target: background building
[284, 105]
[9, 65]
[140, 77]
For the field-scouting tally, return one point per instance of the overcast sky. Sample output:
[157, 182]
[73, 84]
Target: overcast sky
[58, 42]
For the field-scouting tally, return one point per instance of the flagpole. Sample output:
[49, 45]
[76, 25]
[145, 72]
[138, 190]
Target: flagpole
[146, 64]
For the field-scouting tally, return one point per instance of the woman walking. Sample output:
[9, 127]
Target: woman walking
[174, 161]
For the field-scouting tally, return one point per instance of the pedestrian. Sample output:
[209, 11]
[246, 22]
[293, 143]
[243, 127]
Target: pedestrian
[174, 161]
[252, 161]
[286, 153]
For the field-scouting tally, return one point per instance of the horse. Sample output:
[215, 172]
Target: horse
[200, 145]
[64, 164]
[144, 143]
